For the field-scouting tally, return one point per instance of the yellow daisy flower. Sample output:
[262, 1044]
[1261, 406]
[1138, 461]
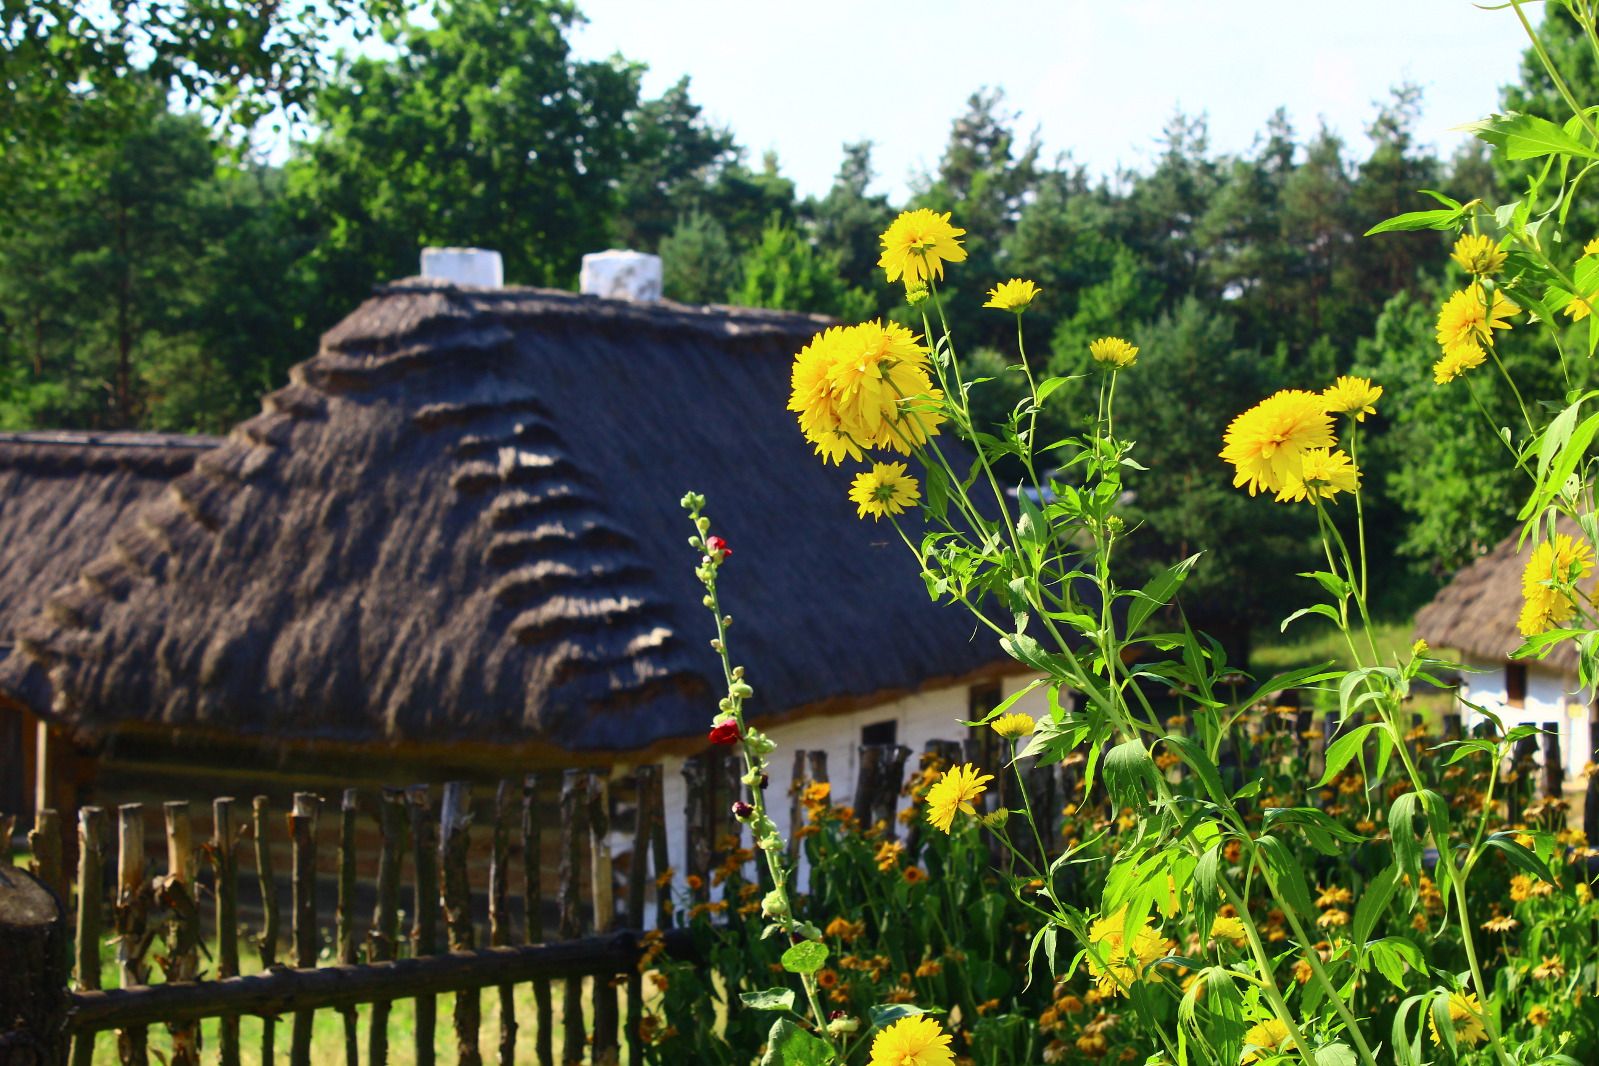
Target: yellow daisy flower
[1126, 956]
[1013, 295]
[953, 792]
[1266, 443]
[864, 386]
[917, 244]
[1577, 308]
[1553, 566]
[1226, 927]
[1456, 362]
[1466, 321]
[1352, 395]
[885, 489]
[1113, 352]
[917, 1040]
[1269, 1036]
[1591, 248]
[1014, 726]
[1466, 1014]
[1478, 255]
[1322, 473]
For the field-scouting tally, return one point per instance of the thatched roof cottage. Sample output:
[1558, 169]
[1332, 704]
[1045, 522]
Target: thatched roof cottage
[453, 545]
[1475, 615]
[61, 496]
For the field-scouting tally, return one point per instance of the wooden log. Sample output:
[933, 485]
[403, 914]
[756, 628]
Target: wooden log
[533, 914]
[574, 828]
[500, 934]
[35, 969]
[869, 755]
[266, 942]
[886, 788]
[455, 821]
[385, 934]
[225, 869]
[91, 904]
[334, 987]
[8, 829]
[344, 916]
[1452, 725]
[44, 844]
[638, 876]
[796, 807]
[607, 1050]
[425, 907]
[302, 835]
[660, 852]
[178, 893]
[132, 941]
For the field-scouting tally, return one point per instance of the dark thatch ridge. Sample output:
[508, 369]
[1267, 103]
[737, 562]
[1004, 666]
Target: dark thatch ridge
[1477, 612]
[61, 494]
[459, 523]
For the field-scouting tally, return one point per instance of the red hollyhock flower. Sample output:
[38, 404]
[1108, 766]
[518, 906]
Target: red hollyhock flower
[725, 732]
[717, 546]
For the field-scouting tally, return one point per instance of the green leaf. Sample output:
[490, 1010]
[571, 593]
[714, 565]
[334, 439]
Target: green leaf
[1519, 855]
[807, 956]
[1529, 137]
[1129, 774]
[1373, 902]
[1341, 752]
[1336, 1055]
[770, 999]
[1437, 218]
[1389, 962]
[1285, 872]
[884, 1014]
[1323, 609]
[789, 1045]
[1157, 593]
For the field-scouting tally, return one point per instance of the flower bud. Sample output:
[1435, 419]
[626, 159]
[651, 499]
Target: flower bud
[702, 524]
[838, 1023]
[743, 811]
[775, 905]
[724, 731]
[740, 690]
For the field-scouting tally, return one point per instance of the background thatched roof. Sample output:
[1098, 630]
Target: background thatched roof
[460, 521]
[1477, 611]
[61, 494]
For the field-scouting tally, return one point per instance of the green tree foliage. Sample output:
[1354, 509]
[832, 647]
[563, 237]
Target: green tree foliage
[786, 271]
[698, 265]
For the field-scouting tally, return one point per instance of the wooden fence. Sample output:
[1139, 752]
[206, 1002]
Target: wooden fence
[50, 967]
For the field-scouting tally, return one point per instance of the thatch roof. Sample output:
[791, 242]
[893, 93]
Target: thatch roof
[61, 494]
[460, 522]
[1476, 613]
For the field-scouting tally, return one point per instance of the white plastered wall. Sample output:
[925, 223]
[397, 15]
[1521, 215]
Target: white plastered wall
[1551, 699]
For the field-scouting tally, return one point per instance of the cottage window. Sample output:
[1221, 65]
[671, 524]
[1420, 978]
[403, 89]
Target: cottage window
[880, 733]
[1516, 684]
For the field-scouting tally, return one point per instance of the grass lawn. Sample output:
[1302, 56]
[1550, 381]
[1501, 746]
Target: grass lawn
[1314, 641]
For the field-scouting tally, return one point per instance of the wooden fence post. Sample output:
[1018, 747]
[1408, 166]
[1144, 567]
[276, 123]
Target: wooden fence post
[180, 896]
[500, 934]
[574, 828]
[91, 900]
[385, 934]
[8, 828]
[132, 901]
[603, 891]
[697, 824]
[425, 903]
[455, 822]
[533, 913]
[1554, 769]
[225, 864]
[638, 875]
[266, 942]
[44, 843]
[344, 916]
[302, 833]
[35, 968]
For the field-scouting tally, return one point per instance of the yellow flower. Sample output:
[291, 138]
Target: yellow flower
[914, 1041]
[1321, 473]
[885, 489]
[1014, 726]
[1270, 1035]
[954, 792]
[1227, 928]
[1352, 395]
[1113, 351]
[1553, 566]
[1125, 959]
[1538, 1015]
[1333, 918]
[1013, 295]
[1466, 321]
[1456, 362]
[1478, 255]
[917, 244]
[864, 386]
[1577, 308]
[1591, 248]
[1266, 443]
[1466, 1014]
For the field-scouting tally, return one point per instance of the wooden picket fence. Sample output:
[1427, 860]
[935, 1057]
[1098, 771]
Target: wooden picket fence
[53, 994]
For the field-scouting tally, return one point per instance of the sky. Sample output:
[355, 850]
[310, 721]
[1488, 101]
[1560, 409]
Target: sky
[1097, 78]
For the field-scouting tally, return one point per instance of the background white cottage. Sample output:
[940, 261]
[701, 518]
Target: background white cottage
[1475, 615]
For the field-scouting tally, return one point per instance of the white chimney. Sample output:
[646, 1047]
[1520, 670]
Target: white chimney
[621, 275]
[464, 266]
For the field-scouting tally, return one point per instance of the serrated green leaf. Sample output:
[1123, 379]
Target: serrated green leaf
[789, 1045]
